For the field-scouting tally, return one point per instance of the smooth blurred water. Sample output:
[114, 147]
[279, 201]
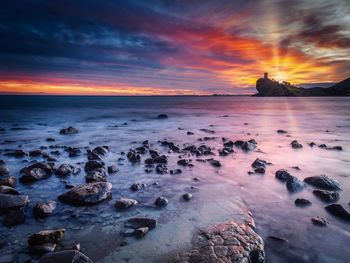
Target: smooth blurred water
[222, 194]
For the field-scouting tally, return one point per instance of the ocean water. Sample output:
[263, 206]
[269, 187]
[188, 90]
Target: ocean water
[222, 194]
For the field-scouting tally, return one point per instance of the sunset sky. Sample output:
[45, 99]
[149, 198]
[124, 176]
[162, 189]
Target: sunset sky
[139, 47]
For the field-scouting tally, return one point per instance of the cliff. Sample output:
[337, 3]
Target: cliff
[267, 87]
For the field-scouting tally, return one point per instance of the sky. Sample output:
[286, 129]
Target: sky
[170, 47]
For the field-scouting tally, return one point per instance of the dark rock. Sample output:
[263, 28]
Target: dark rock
[36, 153]
[162, 116]
[138, 222]
[8, 202]
[64, 170]
[229, 144]
[42, 210]
[100, 150]
[176, 171]
[65, 256]
[225, 151]
[133, 156]
[45, 237]
[17, 153]
[337, 148]
[296, 145]
[141, 232]
[5, 189]
[69, 130]
[125, 203]
[293, 184]
[46, 167]
[50, 139]
[238, 143]
[73, 151]
[161, 201]
[8, 181]
[312, 144]
[190, 133]
[215, 163]
[14, 217]
[112, 169]
[184, 162]
[302, 202]
[281, 131]
[187, 196]
[98, 175]
[141, 149]
[207, 131]
[161, 168]
[136, 186]
[33, 175]
[259, 170]
[87, 194]
[153, 153]
[319, 221]
[160, 159]
[323, 182]
[93, 165]
[282, 175]
[248, 146]
[327, 196]
[259, 163]
[322, 146]
[149, 161]
[338, 211]
[4, 171]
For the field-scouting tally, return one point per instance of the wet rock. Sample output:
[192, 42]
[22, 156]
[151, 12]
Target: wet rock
[176, 171]
[73, 151]
[327, 196]
[136, 187]
[42, 210]
[98, 175]
[248, 146]
[336, 148]
[312, 144]
[207, 131]
[293, 184]
[138, 222]
[281, 131]
[161, 168]
[141, 149]
[322, 146]
[64, 170]
[125, 203]
[184, 162]
[260, 170]
[65, 256]
[46, 167]
[302, 202]
[87, 194]
[227, 242]
[319, 221]
[282, 175]
[203, 150]
[162, 116]
[4, 171]
[50, 139]
[133, 156]
[33, 175]
[101, 150]
[5, 189]
[8, 202]
[238, 143]
[215, 163]
[161, 201]
[323, 182]
[149, 161]
[225, 151]
[8, 181]
[338, 211]
[17, 153]
[36, 153]
[14, 217]
[45, 237]
[153, 153]
[160, 159]
[112, 169]
[190, 133]
[187, 196]
[296, 145]
[229, 144]
[93, 165]
[141, 232]
[259, 163]
[69, 130]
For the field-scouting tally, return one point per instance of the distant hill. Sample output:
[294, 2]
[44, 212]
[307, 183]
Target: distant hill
[267, 87]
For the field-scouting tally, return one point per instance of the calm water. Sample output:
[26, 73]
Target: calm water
[223, 193]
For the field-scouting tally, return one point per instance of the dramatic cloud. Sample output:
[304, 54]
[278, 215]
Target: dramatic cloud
[169, 47]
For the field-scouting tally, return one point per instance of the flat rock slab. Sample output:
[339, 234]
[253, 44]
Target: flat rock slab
[66, 256]
[226, 242]
[87, 194]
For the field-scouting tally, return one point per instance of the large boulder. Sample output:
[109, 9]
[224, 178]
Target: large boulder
[36, 172]
[323, 182]
[338, 211]
[65, 256]
[8, 202]
[87, 194]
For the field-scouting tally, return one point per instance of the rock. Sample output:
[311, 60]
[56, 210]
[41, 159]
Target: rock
[225, 151]
[302, 202]
[36, 153]
[338, 211]
[162, 116]
[160, 159]
[293, 184]
[323, 182]
[14, 217]
[190, 133]
[133, 156]
[64, 170]
[312, 144]
[138, 222]
[215, 163]
[161, 201]
[248, 146]
[45, 237]
[161, 168]
[98, 175]
[87, 194]
[69, 130]
[8, 181]
[259, 170]
[50, 139]
[229, 144]
[4, 189]
[176, 171]
[125, 203]
[149, 161]
[327, 196]
[46, 167]
[65, 256]
[141, 232]
[226, 242]
[33, 175]
[319, 221]
[8, 202]
[296, 145]
[17, 153]
[336, 148]
[259, 163]
[281, 131]
[42, 210]
[73, 151]
[112, 169]
[76, 247]
[101, 150]
[4, 171]
[322, 146]
[136, 186]
[282, 175]
[187, 196]
[184, 162]
[93, 165]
